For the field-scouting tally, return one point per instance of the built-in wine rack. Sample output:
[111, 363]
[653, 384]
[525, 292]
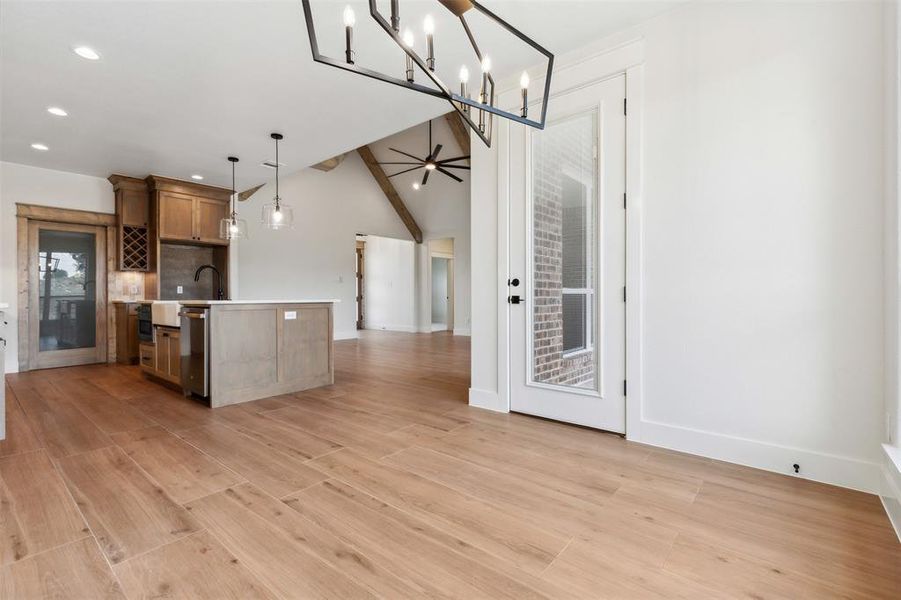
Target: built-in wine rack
[135, 248]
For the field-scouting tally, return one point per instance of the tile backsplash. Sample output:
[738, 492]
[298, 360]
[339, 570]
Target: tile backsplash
[177, 264]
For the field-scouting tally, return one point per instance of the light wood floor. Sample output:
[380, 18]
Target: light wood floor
[387, 485]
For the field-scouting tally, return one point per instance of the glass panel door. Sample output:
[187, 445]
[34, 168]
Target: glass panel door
[67, 290]
[67, 280]
[564, 212]
[567, 259]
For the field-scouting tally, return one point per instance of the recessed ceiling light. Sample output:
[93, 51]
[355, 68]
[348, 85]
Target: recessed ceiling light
[86, 52]
[55, 110]
[41, 147]
[416, 185]
[197, 177]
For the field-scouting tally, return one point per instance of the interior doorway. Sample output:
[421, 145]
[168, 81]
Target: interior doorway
[441, 283]
[359, 270]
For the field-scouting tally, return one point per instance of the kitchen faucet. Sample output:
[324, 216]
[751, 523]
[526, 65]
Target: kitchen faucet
[200, 269]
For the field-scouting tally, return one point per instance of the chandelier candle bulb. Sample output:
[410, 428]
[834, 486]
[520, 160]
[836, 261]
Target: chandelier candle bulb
[464, 91]
[429, 26]
[349, 20]
[524, 84]
[483, 92]
[408, 42]
[395, 15]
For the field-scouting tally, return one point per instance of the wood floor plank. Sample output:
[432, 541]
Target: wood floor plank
[585, 570]
[277, 473]
[76, 570]
[180, 469]
[19, 436]
[741, 576]
[127, 512]
[36, 511]
[106, 412]
[526, 545]
[278, 435]
[194, 567]
[443, 565]
[367, 442]
[172, 411]
[349, 412]
[62, 428]
[571, 516]
[278, 560]
[344, 557]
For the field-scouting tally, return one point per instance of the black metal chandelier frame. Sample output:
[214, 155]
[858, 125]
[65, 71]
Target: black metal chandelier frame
[458, 101]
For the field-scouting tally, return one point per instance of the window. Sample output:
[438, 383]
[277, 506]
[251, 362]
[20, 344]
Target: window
[578, 293]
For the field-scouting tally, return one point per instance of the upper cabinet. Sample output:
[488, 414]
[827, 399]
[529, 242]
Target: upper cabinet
[188, 212]
[133, 212]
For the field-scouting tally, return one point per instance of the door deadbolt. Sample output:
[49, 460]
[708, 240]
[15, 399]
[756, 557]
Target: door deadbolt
[514, 282]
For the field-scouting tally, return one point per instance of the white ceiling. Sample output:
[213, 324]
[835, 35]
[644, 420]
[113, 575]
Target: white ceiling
[181, 85]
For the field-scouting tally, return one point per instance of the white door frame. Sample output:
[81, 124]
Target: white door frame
[625, 59]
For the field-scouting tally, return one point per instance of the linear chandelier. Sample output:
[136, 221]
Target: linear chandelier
[476, 112]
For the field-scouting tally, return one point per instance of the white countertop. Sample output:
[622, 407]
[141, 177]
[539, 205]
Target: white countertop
[5, 305]
[208, 302]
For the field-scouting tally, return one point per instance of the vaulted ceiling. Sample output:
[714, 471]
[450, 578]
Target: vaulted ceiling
[181, 85]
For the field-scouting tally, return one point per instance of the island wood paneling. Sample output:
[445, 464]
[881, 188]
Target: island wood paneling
[256, 351]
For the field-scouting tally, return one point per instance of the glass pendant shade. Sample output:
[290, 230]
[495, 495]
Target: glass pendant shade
[232, 228]
[278, 215]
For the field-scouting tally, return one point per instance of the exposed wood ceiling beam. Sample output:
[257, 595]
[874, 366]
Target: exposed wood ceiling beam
[460, 131]
[330, 163]
[246, 194]
[393, 197]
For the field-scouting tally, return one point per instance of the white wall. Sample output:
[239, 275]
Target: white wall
[389, 284]
[316, 258]
[761, 243]
[32, 185]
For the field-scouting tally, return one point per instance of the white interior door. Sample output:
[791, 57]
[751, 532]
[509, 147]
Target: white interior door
[567, 250]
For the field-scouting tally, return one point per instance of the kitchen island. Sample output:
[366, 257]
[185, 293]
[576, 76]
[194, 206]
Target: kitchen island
[234, 351]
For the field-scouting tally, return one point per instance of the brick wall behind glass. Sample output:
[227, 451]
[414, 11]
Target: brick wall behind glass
[567, 144]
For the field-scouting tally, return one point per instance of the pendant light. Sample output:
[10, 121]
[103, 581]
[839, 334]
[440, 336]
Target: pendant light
[231, 227]
[277, 214]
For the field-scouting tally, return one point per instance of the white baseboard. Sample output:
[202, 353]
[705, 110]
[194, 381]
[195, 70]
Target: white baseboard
[389, 327]
[438, 327]
[817, 466]
[465, 331]
[346, 335]
[486, 399]
[891, 486]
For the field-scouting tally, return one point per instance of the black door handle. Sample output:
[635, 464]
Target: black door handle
[514, 299]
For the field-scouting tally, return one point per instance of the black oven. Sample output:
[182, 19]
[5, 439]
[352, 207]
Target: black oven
[145, 323]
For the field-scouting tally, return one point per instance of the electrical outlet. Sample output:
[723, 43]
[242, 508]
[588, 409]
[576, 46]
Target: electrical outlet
[340, 278]
[179, 290]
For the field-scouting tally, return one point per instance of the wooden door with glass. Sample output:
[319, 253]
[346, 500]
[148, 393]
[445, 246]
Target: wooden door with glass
[67, 294]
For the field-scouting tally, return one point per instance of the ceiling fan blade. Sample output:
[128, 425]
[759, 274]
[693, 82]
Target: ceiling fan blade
[399, 163]
[404, 171]
[454, 159]
[449, 174]
[425, 177]
[464, 167]
[435, 153]
[407, 154]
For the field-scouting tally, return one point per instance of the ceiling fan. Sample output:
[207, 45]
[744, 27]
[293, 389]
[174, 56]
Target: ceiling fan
[429, 163]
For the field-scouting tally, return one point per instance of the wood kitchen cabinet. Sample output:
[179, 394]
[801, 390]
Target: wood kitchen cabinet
[133, 223]
[163, 358]
[127, 351]
[189, 212]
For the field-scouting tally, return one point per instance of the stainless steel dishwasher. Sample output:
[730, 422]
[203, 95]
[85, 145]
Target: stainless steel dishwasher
[195, 351]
